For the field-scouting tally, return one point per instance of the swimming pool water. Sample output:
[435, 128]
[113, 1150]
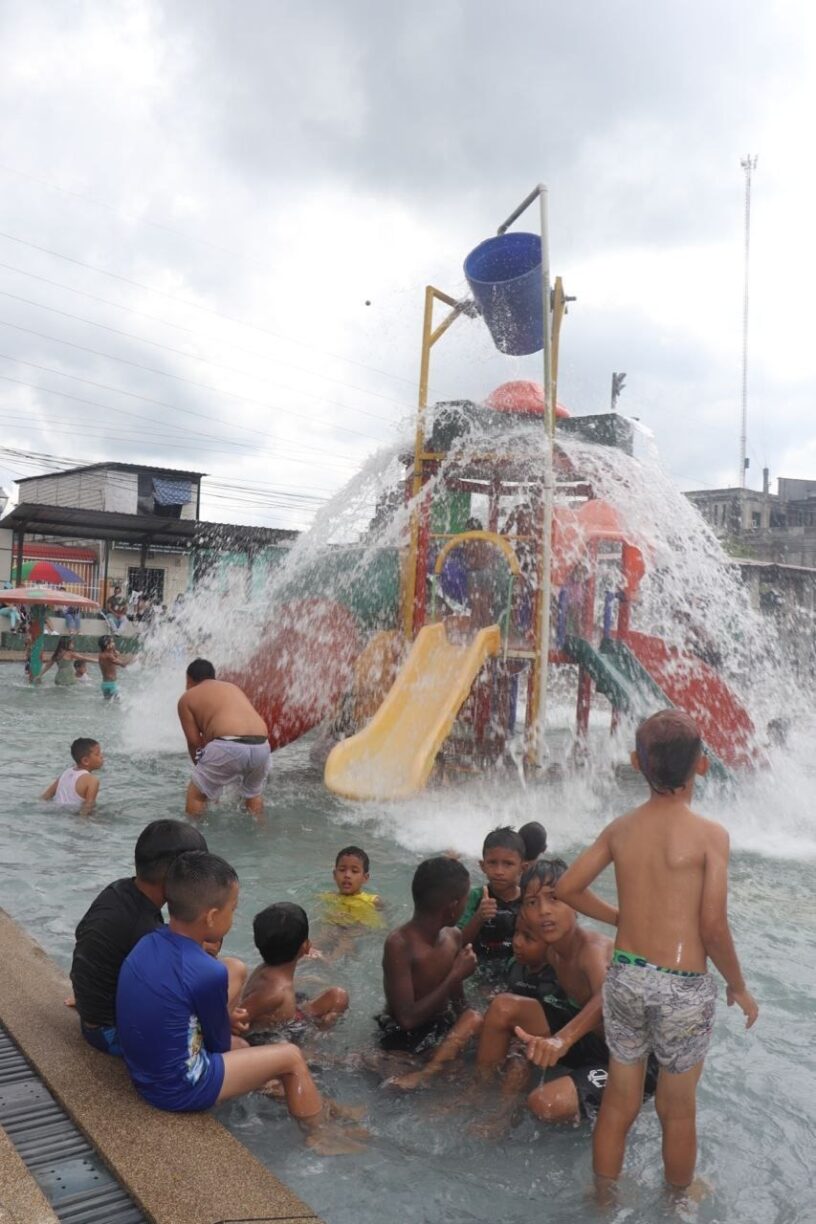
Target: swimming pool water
[756, 1115]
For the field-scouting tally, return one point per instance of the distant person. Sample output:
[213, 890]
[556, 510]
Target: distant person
[115, 922]
[534, 836]
[110, 660]
[76, 787]
[671, 868]
[171, 1007]
[226, 738]
[62, 658]
[116, 608]
[274, 1010]
[425, 962]
[490, 913]
[80, 671]
[72, 618]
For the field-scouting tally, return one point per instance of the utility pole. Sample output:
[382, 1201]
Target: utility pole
[748, 165]
[617, 386]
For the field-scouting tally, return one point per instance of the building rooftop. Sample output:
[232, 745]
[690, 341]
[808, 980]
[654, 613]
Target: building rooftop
[175, 473]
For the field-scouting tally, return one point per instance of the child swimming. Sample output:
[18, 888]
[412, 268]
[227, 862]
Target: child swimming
[351, 906]
[76, 787]
[274, 1010]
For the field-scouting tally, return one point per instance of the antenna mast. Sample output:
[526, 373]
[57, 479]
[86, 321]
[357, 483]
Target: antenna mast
[749, 165]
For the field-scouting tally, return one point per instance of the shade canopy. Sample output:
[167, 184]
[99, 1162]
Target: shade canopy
[47, 596]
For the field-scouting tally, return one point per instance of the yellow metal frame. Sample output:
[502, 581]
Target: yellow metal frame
[489, 537]
[430, 336]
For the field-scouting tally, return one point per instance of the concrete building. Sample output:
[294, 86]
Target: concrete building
[763, 526]
[132, 525]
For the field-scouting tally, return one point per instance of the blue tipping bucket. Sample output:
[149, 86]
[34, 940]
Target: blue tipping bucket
[504, 274]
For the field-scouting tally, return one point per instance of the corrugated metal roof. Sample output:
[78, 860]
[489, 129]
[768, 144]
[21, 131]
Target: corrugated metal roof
[115, 467]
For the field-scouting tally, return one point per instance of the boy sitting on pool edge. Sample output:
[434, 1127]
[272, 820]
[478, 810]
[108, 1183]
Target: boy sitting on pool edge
[171, 1009]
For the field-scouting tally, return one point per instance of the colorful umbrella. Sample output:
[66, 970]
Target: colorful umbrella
[48, 571]
[45, 597]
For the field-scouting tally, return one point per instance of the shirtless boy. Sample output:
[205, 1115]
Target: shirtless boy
[226, 739]
[558, 1015]
[274, 1010]
[110, 660]
[425, 962]
[671, 868]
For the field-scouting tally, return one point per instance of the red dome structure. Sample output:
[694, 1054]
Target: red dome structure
[524, 396]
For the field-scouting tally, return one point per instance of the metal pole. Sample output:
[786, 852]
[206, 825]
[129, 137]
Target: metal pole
[549, 489]
[749, 165]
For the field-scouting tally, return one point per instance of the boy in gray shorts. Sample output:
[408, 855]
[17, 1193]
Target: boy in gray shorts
[671, 869]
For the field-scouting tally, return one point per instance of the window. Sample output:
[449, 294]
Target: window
[148, 582]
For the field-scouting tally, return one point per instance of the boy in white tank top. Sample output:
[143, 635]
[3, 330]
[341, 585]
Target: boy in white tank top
[76, 787]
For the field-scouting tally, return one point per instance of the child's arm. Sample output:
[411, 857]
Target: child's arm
[209, 998]
[714, 929]
[88, 787]
[546, 1051]
[573, 887]
[51, 791]
[407, 1010]
[477, 914]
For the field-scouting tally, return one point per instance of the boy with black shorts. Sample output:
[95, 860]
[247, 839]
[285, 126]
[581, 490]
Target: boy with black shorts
[116, 921]
[671, 868]
[426, 961]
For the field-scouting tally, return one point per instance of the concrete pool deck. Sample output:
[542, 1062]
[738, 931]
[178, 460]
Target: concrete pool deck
[179, 1169]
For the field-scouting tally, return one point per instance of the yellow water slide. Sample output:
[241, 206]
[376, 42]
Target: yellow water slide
[393, 756]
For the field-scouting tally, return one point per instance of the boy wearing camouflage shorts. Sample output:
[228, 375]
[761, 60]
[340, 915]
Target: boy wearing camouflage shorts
[671, 868]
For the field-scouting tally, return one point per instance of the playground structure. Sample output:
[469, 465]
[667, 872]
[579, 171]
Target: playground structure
[488, 606]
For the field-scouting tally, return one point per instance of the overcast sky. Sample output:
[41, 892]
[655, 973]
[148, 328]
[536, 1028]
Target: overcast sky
[199, 197]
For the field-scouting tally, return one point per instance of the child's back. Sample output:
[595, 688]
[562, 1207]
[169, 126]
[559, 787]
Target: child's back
[665, 864]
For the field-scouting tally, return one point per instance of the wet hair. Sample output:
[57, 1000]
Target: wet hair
[81, 747]
[505, 838]
[668, 747]
[201, 669]
[160, 843]
[438, 882]
[280, 931]
[197, 881]
[547, 872]
[534, 836]
[474, 524]
[105, 641]
[62, 645]
[353, 852]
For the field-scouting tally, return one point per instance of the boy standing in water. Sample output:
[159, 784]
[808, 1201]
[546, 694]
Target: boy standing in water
[671, 868]
[110, 660]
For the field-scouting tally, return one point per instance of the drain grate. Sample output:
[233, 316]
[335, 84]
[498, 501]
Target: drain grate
[79, 1187]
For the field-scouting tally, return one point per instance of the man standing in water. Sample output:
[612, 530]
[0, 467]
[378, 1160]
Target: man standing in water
[226, 739]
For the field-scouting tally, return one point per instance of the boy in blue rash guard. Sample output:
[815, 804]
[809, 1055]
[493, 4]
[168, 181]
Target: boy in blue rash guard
[489, 918]
[174, 1026]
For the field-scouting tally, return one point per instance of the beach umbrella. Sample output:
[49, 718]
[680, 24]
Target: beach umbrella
[55, 572]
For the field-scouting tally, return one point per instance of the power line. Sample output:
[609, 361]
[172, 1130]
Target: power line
[149, 400]
[116, 331]
[206, 309]
[191, 382]
[230, 344]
